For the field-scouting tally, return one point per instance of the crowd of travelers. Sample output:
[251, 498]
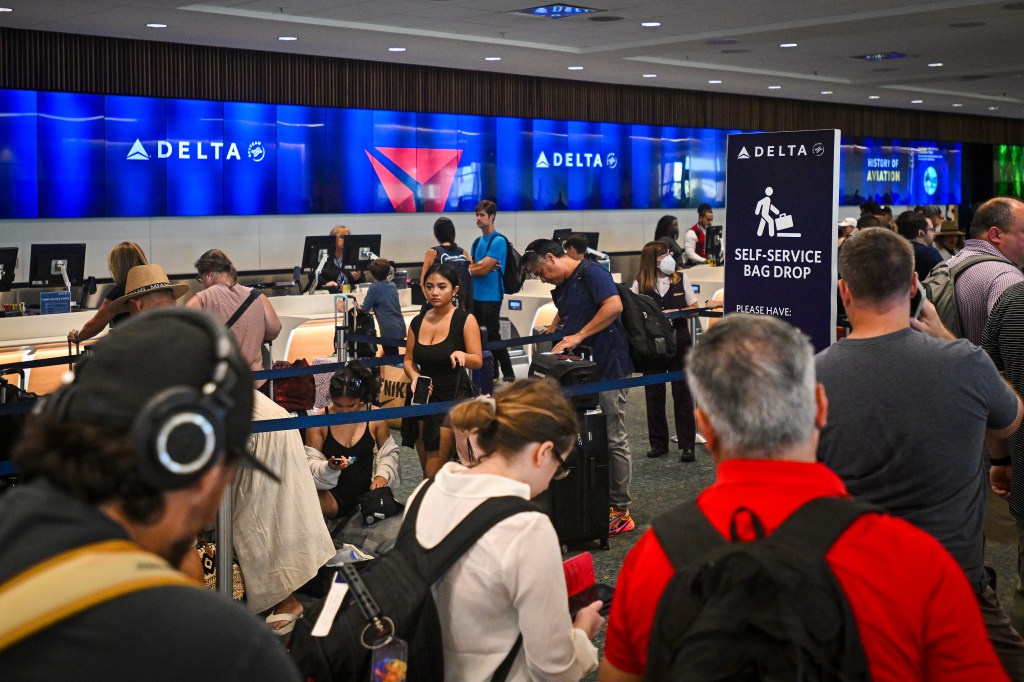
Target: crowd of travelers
[841, 504]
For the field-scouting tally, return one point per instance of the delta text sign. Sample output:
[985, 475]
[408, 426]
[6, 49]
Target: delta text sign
[783, 193]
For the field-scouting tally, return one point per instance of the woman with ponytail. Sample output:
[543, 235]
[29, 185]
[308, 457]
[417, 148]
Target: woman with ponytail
[510, 583]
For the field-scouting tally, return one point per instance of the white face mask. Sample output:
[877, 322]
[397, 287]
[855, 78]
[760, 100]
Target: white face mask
[668, 264]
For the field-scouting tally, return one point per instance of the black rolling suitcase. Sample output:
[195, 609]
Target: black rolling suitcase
[568, 370]
[579, 502]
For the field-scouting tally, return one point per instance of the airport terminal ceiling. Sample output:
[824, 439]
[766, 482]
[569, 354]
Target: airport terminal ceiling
[943, 57]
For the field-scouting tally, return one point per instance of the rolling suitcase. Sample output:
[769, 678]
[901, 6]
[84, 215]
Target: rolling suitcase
[579, 503]
[568, 370]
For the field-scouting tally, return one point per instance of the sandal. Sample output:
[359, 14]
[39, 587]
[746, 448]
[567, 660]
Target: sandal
[287, 618]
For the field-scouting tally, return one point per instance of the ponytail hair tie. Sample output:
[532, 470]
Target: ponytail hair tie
[489, 401]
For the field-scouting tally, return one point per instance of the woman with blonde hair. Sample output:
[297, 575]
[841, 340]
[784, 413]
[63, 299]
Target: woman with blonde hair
[121, 259]
[334, 274]
[658, 279]
[510, 584]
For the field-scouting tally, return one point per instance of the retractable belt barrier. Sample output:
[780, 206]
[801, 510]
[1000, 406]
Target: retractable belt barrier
[397, 412]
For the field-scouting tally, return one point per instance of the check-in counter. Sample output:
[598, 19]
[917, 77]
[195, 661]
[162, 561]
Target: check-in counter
[706, 280]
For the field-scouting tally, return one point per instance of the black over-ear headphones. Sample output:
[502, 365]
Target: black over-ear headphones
[179, 433]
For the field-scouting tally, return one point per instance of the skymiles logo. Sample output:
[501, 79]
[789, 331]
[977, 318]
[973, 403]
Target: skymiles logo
[199, 150]
[576, 160]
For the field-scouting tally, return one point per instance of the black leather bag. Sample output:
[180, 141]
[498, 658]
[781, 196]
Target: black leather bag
[377, 505]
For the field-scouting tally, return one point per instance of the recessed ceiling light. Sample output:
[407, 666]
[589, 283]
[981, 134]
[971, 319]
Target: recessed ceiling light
[650, 24]
[958, 105]
[874, 97]
[147, 25]
[826, 92]
[916, 101]
[396, 49]
[714, 82]
[787, 44]
[934, 64]
[575, 68]
[287, 38]
[492, 59]
[993, 108]
[774, 87]
[6, 9]
[650, 75]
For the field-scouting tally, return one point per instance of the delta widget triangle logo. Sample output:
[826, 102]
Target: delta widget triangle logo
[432, 169]
[744, 154]
[138, 152]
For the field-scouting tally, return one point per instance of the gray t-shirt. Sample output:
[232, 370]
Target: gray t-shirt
[907, 416]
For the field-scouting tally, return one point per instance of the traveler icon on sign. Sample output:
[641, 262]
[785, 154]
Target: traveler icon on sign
[765, 209]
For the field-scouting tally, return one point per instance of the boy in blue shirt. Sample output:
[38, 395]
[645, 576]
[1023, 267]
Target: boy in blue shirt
[382, 300]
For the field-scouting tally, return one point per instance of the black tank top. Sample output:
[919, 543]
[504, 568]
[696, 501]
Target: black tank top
[434, 360]
[355, 479]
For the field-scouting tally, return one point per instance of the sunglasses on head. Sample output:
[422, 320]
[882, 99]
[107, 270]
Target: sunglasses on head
[352, 384]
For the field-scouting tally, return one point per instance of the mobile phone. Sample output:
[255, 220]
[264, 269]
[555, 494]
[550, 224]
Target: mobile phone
[422, 391]
[917, 302]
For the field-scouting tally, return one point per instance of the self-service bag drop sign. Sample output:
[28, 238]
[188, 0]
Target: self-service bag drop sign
[782, 193]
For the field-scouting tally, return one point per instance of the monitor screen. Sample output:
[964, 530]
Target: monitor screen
[8, 263]
[713, 246]
[46, 261]
[561, 235]
[358, 250]
[313, 248]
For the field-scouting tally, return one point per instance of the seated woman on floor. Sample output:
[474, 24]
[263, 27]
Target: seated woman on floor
[352, 458]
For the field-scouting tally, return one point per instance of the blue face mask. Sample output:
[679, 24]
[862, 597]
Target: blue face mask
[668, 264]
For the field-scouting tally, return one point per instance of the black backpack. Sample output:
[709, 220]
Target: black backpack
[769, 609]
[650, 334]
[461, 265]
[399, 583]
[514, 274]
[940, 288]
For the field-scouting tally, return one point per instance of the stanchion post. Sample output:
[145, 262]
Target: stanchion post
[225, 550]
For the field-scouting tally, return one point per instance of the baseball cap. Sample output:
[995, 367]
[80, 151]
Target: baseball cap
[848, 222]
[155, 351]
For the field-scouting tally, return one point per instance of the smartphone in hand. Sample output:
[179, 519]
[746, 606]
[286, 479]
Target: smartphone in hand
[422, 391]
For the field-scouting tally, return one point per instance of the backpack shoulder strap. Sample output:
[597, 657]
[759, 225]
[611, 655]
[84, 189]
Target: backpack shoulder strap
[958, 269]
[684, 533]
[253, 295]
[76, 581]
[434, 562]
[819, 523]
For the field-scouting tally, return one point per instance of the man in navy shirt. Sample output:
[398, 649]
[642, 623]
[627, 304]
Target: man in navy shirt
[490, 251]
[589, 307]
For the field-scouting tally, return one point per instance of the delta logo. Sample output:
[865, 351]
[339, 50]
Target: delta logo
[576, 160]
[200, 150]
[431, 171]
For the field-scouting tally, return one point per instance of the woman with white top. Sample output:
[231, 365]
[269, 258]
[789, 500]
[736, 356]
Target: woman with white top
[658, 279]
[511, 582]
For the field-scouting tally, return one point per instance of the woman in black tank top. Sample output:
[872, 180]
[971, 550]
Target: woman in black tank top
[352, 449]
[443, 343]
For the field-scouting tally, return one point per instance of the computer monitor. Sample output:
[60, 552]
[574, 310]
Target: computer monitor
[313, 248]
[358, 249]
[713, 243]
[8, 264]
[561, 235]
[45, 261]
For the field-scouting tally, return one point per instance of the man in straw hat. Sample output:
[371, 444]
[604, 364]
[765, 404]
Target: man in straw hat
[147, 288]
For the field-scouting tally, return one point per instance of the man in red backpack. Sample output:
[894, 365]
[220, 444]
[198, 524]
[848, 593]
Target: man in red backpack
[761, 410]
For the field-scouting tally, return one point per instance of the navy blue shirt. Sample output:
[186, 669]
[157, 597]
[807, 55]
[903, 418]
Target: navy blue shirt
[578, 302]
[382, 300]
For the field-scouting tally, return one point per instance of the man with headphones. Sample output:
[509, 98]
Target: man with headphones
[123, 467]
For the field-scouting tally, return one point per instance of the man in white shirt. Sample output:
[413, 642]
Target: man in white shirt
[693, 241]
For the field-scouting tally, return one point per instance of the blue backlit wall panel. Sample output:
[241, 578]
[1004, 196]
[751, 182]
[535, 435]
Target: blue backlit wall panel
[74, 155]
[19, 146]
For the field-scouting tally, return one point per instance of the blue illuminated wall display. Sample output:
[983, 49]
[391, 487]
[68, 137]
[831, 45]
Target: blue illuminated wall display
[66, 155]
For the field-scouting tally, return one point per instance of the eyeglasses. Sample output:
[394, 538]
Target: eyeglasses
[562, 471]
[351, 384]
[199, 277]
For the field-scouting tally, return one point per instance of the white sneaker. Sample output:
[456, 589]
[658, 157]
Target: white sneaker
[700, 440]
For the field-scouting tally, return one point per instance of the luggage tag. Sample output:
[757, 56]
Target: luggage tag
[390, 658]
[335, 596]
